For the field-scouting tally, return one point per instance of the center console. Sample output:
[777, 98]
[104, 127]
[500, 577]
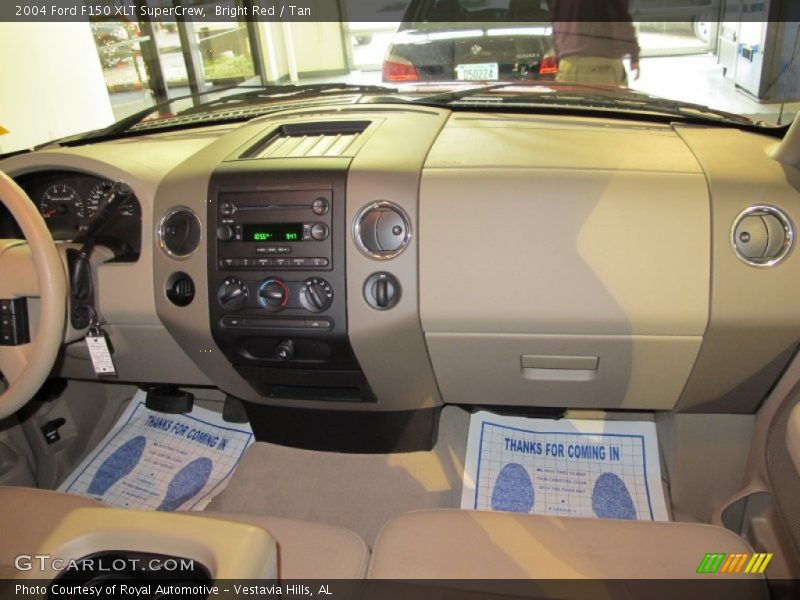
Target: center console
[277, 295]
[286, 268]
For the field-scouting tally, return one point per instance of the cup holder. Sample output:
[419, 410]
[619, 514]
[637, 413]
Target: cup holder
[116, 573]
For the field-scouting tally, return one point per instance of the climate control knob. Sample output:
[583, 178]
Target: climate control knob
[316, 295]
[232, 293]
[273, 294]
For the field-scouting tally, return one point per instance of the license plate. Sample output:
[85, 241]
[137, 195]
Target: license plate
[477, 72]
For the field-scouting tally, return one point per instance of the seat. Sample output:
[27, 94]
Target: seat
[308, 550]
[460, 544]
[27, 517]
[305, 550]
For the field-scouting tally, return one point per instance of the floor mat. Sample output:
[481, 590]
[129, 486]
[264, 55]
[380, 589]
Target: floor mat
[152, 460]
[357, 491]
[565, 467]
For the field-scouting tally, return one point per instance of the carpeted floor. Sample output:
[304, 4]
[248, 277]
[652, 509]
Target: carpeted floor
[360, 492]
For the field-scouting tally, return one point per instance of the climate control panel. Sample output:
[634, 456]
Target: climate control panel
[277, 281]
[274, 295]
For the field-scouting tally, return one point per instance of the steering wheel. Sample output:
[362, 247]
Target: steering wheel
[30, 269]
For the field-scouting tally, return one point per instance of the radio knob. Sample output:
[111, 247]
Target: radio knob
[320, 206]
[224, 233]
[317, 295]
[232, 293]
[273, 295]
[319, 231]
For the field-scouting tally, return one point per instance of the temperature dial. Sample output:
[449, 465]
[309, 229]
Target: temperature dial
[232, 293]
[316, 295]
[273, 294]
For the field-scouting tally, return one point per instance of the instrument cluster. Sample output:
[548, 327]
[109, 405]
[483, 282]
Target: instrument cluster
[68, 201]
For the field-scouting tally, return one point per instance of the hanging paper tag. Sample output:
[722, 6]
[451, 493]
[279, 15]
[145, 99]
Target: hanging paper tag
[101, 356]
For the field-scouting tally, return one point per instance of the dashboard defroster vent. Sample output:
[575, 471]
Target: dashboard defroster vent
[310, 139]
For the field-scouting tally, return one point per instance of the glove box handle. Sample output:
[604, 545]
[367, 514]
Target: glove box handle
[559, 368]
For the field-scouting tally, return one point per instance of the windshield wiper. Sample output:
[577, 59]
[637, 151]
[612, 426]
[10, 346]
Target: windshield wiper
[439, 99]
[121, 126]
[650, 104]
[582, 100]
[445, 98]
[290, 91]
[574, 99]
[253, 94]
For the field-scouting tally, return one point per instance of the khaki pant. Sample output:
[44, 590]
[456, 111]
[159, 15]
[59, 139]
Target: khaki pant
[592, 70]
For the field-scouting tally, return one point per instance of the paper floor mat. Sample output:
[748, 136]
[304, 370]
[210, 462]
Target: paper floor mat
[156, 461]
[565, 467]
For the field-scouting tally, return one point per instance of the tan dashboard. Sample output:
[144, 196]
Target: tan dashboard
[545, 261]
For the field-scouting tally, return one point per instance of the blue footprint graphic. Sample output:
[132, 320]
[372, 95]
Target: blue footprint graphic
[118, 465]
[611, 499]
[513, 490]
[186, 483]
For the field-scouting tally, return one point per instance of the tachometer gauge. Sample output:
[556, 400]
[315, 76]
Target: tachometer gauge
[97, 198]
[62, 207]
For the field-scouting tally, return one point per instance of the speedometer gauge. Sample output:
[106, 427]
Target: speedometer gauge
[62, 208]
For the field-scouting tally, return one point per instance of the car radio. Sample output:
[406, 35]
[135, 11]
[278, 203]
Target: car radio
[276, 230]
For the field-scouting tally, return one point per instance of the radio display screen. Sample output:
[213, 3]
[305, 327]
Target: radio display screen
[273, 232]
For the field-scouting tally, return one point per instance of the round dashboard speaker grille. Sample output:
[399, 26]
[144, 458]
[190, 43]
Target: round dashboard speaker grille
[382, 230]
[762, 236]
[180, 232]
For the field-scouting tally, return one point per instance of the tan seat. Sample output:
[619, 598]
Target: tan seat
[27, 517]
[460, 544]
[305, 550]
[309, 550]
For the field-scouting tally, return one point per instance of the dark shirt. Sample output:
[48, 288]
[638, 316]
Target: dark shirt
[593, 28]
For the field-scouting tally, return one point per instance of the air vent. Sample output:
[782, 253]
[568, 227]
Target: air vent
[310, 139]
[179, 232]
[762, 236]
[382, 230]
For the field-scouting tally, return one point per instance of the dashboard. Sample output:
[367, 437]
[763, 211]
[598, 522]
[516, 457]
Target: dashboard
[347, 271]
[69, 200]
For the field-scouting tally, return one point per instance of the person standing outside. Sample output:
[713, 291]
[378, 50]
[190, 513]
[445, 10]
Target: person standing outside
[591, 38]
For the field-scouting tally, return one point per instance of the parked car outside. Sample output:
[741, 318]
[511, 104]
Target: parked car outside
[447, 40]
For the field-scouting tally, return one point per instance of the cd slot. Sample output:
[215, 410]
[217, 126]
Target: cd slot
[246, 207]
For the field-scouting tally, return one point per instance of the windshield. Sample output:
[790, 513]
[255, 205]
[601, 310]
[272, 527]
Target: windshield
[118, 66]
